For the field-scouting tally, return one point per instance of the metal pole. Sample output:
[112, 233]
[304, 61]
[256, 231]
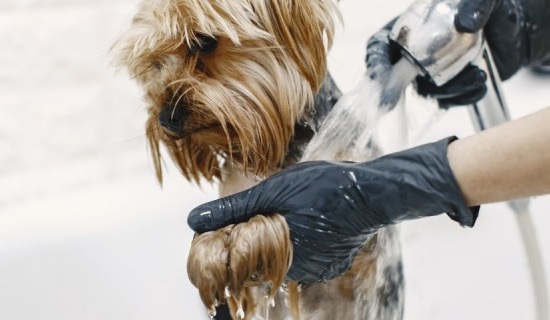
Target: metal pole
[486, 113]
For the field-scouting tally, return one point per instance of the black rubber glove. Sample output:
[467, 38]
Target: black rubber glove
[518, 32]
[332, 209]
[381, 53]
[468, 87]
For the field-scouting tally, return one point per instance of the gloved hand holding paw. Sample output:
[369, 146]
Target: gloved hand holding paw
[333, 208]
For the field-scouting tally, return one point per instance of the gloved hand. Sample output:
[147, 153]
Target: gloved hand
[517, 32]
[466, 88]
[332, 209]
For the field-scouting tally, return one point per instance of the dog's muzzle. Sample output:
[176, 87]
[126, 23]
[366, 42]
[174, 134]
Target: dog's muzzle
[173, 118]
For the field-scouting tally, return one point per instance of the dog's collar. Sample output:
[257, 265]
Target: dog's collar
[310, 124]
[325, 100]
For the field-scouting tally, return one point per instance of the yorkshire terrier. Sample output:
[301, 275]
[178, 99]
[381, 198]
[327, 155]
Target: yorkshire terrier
[235, 90]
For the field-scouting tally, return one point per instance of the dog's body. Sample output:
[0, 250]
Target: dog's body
[236, 91]
[373, 288]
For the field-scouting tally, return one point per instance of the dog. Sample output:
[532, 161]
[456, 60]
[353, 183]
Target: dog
[235, 91]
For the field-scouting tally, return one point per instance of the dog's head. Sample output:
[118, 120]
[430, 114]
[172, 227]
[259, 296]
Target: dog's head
[226, 79]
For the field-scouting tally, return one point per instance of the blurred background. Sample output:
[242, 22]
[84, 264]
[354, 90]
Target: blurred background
[87, 233]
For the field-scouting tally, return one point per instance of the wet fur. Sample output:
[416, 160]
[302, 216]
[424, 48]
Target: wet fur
[241, 101]
[250, 108]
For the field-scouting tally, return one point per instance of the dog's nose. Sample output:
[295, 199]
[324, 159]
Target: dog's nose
[172, 118]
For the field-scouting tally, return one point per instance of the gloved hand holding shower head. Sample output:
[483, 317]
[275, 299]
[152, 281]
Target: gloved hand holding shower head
[517, 33]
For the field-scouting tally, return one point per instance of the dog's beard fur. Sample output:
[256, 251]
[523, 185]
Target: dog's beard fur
[241, 98]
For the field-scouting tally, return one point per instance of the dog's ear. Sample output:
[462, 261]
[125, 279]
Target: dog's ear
[305, 28]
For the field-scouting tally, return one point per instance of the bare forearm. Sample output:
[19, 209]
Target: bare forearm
[506, 162]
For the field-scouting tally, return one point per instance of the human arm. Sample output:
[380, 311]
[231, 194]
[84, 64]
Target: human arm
[506, 162]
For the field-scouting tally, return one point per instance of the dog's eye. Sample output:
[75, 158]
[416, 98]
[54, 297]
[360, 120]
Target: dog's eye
[204, 45]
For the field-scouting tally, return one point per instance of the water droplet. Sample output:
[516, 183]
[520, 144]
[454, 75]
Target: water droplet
[349, 198]
[227, 292]
[206, 213]
[240, 312]
[352, 176]
[272, 302]
[255, 277]
[212, 312]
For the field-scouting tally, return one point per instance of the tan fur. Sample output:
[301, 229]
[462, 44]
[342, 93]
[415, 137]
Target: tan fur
[242, 102]
[243, 99]
[236, 258]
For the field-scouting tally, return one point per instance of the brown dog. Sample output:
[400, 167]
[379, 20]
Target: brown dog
[235, 89]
